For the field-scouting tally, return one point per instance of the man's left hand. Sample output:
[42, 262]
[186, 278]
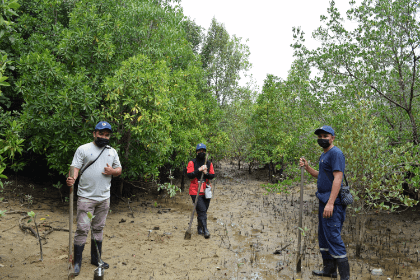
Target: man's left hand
[108, 170]
[328, 210]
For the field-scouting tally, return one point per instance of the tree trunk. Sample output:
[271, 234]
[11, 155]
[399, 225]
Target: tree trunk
[250, 168]
[239, 164]
[414, 128]
[182, 180]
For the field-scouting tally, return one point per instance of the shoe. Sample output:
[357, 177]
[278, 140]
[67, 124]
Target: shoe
[78, 251]
[344, 268]
[200, 227]
[94, 254]
[329, 270]
[206, 231]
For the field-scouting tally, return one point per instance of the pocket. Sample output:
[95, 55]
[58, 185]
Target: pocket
[334, 221]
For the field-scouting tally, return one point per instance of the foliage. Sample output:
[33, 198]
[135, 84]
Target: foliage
[90, 216]
[284, 120]
[235, 124]
[280, 187]
[170, 189]
[376, 171]
[7, 32]
[11, 145]
[2, 213]
[193, 33]
[72, 56]
[224, 58]
[377, 61]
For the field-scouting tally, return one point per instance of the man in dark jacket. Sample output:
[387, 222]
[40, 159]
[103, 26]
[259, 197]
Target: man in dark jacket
[195, 168]
[331, 212]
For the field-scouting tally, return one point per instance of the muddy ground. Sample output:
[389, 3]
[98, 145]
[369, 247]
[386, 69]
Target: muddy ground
[246, 225]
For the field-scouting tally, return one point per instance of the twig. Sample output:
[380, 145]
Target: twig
[136, 186]
[9, 228]
[39, 238]
[16, 212]
[278, 251]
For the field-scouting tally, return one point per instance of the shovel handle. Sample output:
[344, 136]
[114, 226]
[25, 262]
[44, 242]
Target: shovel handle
[70, 259]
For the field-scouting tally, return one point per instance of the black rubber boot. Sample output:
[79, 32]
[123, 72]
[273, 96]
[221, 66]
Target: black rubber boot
[343, 268]
[206, 231]
[78, 252]
[200, 227]
[329, 270]
[94, 254]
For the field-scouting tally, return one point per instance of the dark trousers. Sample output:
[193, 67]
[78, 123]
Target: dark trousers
[202, 206]
[329, 233]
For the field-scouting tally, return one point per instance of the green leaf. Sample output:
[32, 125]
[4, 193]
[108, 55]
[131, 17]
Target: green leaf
[14, 5]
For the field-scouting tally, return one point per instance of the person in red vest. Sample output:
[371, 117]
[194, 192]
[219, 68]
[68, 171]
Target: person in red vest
[195, 168]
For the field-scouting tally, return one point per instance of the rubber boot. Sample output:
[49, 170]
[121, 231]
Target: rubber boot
[94, 254]
[206, 231]
[329, 270]
[200, 227]
[343, 268]
[78, 252]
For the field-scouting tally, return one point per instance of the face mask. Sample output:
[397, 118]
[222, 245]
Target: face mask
[324, 143]
[201, 155]
[100, 142]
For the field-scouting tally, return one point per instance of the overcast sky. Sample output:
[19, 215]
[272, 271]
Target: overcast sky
[268, 26]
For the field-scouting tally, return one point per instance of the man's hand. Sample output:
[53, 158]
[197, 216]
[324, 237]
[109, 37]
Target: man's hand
[328, 210]
[108, 170]
[203, 168]
[70, 181]
[303, 162]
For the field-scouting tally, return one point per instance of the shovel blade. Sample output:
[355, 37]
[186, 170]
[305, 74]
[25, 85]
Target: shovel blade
[71, 274]
[187, 235]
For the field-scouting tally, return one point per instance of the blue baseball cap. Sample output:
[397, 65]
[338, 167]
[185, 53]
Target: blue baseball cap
[325, 128]
[201, 146]
[103, 125]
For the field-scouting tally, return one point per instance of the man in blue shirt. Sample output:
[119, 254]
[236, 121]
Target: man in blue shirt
[331, 212]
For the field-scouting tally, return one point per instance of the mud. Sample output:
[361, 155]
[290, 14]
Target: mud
[247, 226]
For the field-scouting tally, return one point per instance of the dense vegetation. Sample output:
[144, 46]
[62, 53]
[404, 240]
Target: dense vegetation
[165, 84]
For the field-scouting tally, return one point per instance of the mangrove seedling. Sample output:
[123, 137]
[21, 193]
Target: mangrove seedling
[2, 213]
[33, 217]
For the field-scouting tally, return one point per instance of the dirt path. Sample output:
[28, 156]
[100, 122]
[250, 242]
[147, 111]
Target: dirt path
[246, 227]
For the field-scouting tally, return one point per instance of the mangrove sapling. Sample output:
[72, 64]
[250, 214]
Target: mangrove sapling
[33, 215]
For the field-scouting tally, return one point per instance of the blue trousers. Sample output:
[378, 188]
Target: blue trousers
[329, 233]
[202, 206]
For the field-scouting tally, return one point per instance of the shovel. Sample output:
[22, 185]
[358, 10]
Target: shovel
[71, 274]
[188, 232]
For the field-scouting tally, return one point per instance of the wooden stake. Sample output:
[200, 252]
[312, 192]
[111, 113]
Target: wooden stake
[70, 259]
[299, 257]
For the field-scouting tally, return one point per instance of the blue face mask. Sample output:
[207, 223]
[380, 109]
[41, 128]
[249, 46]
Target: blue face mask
[324, 143]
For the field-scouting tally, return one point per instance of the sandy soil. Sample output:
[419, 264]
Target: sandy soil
[246, 227]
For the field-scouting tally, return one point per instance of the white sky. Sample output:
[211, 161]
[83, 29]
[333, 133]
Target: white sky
[268, 26]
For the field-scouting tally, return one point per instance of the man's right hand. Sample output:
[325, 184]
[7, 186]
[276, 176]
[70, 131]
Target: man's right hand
[303, 162]
[70, 181]
[203, 168]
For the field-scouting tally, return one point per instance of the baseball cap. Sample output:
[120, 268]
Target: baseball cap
[325, 128]
[103, 125]
[201, 146]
